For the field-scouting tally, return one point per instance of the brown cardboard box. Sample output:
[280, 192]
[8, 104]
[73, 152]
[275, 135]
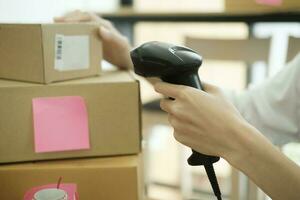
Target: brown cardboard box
[45, 53]
[103, 178]
[251, 6]
[113, 107]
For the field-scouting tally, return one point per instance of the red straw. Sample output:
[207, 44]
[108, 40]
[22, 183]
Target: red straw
[76, 195]
[58, 183]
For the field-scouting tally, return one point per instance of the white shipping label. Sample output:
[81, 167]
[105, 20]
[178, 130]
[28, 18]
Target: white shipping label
[72, 52]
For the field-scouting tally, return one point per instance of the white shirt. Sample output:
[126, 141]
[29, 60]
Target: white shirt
[274, 106]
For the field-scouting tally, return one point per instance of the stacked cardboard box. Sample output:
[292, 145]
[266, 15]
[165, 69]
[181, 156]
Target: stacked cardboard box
[96, 178]
[36, 148]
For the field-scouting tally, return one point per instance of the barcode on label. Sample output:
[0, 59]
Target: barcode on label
[59, 45]
[71, 52]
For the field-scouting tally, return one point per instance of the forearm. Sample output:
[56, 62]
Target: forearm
[273, 172]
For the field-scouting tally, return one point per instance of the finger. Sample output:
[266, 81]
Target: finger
[65, 16]
[180, 124]
[107, 24]
[75, 16]
[84, 17]
[167, 105]
[210, 88]
[167, 89]
[175, 122]
[105, 33]
[179, 137]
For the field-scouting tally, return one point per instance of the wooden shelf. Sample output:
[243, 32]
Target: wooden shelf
[130, 15]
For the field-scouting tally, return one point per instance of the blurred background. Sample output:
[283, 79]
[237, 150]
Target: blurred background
[243, 42]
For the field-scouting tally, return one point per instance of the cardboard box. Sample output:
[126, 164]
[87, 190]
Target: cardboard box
[104, 178]
[45, 53]
[261, 6]
[113, 106]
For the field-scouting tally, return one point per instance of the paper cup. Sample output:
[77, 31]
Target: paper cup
[50, 194]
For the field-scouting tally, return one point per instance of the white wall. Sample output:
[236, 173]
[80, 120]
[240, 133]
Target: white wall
[30, 11]
[280, 33]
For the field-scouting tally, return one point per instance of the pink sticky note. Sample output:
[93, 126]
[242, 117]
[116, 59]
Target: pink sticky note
[270, 2]
[60, 124]
[69, 188]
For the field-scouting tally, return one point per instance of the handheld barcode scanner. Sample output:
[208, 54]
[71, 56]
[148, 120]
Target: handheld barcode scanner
[177, 65]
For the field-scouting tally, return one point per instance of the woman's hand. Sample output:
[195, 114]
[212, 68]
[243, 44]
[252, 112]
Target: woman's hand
[208, 123]
[116, 47]
[204, 121]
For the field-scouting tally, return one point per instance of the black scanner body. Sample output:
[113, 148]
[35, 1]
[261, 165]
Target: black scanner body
[177, 65]
[173, 64]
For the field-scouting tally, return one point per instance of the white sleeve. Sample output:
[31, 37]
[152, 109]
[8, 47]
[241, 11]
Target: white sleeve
[274, 106]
